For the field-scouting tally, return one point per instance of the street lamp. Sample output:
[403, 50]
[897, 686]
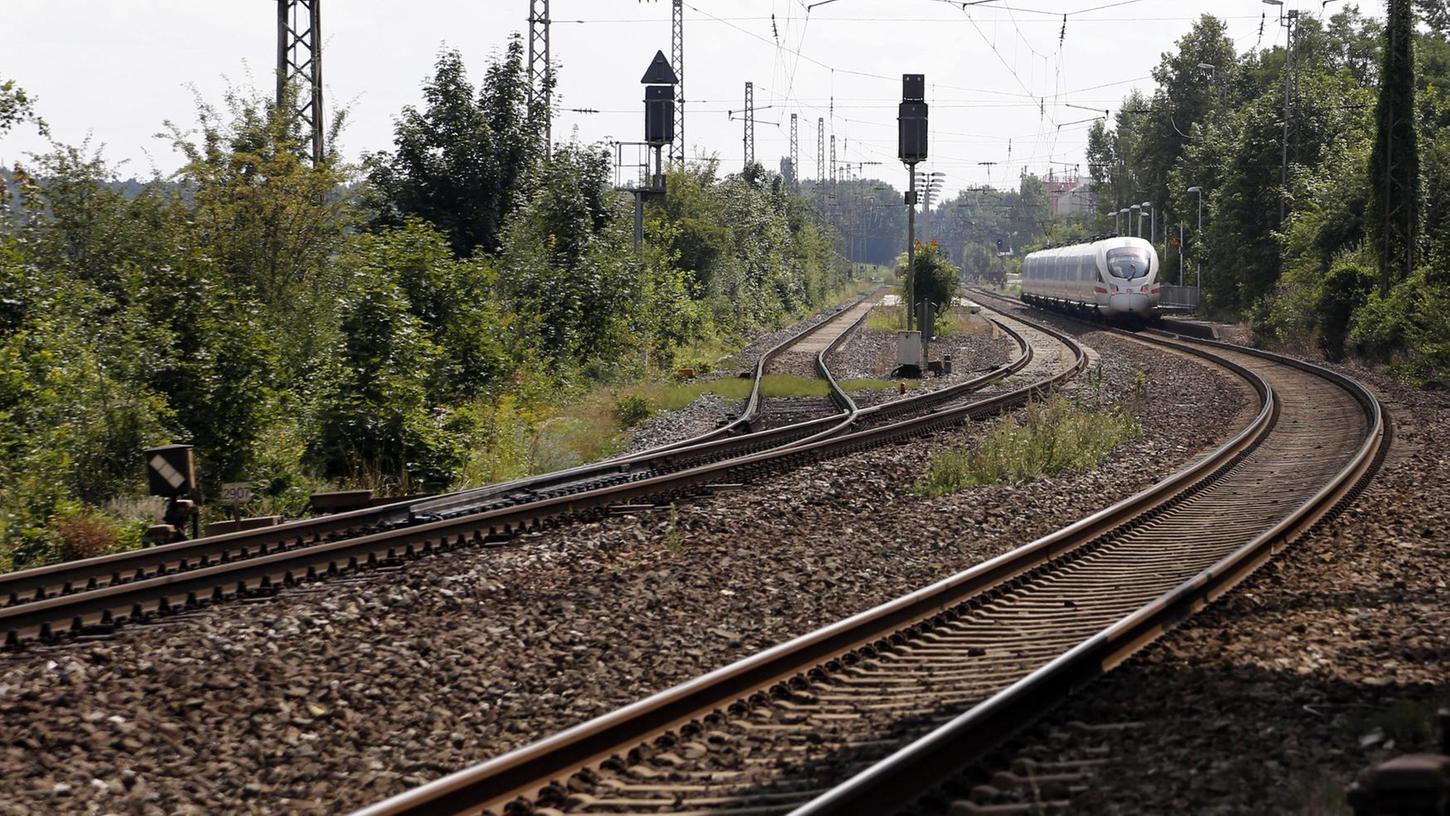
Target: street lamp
[1197, 240]
[1136, 226]
[1153, 222]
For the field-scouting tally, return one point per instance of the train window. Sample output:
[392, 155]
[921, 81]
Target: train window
[1129, 262]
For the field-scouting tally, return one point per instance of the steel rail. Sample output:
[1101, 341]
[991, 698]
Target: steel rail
[886, 786]
[849, 410]
[524, 771]
[25, 586]
[102, 606]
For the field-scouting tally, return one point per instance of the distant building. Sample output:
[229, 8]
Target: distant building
[1069, 194]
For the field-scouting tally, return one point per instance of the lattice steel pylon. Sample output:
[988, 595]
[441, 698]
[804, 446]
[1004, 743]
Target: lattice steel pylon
[749, 124]
[820, 149]
[677, 55]
[299, 59]
[833, 158]
[541, 72]
[795, 150]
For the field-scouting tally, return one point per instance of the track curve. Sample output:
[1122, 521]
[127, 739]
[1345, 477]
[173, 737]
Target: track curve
[162, 580]
[854, 717]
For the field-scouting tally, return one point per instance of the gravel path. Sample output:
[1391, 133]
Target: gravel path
[329, 697]
[1330, 658]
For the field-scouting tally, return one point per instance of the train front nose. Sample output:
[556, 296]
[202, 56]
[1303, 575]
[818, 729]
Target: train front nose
[1130, 303]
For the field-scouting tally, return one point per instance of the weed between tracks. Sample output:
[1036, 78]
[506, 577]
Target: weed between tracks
[1059, 434]
[957, 320]
[660, 397]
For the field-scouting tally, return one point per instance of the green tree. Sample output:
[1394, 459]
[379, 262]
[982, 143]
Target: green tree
[455, 301]
[1394, 202]
[934, 279]
[374, 421]
[17, 106]
[569, 270]
[461, 162]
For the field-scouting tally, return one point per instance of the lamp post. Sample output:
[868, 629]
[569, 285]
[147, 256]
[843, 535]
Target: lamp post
[1152, 222]
[1198, 239]
[1136, 226]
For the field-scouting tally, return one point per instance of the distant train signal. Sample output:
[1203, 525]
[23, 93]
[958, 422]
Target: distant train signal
[911, 119]
[659, 101]
[171, 470]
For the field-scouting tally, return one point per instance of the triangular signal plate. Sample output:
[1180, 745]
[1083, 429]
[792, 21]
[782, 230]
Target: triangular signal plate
[660, 72]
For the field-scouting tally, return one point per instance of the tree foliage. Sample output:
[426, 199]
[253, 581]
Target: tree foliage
[1394, 166]
[460, 163]
[310, 325]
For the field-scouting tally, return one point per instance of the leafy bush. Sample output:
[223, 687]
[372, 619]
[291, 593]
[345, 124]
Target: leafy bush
[631, 409]
[1409, 330]
[374, 422]
[935, 278]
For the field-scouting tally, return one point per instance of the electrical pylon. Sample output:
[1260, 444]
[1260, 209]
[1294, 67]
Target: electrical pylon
[299, 60]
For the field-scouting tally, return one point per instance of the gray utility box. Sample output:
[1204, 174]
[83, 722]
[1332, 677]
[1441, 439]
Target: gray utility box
[908, 349]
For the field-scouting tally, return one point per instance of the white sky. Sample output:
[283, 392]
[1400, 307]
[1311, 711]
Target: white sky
[113, 70]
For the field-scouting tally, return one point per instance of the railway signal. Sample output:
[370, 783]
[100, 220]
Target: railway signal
[659, 130]
[911, 149]
[171, 473]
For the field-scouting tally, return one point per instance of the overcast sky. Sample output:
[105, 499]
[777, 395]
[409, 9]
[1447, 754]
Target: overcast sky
[1001, 76]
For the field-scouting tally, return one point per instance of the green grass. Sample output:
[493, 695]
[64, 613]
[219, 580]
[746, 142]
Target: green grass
[520, 436]
[955, 321]
[883, 319]
[677, 396]
[1060, 434]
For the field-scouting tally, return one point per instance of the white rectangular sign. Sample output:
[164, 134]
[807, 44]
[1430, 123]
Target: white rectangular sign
[236, 493]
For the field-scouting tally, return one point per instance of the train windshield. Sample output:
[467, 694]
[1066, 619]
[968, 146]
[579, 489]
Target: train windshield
[1128, 262]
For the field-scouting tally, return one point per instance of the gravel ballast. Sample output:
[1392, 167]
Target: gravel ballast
[1331, 657]
[329, 697]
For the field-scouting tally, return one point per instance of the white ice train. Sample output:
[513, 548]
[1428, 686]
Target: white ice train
[1116, 277]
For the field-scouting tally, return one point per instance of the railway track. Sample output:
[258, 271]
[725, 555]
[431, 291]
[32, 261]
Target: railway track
[94, 596]
[862, 715]
[88, 574]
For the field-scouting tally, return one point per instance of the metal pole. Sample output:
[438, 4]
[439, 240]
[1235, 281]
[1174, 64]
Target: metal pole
[317, 138]
[677, 48]
[282, 6]
[749, 124]
[1180, 253]
[911, 249]
[820, 150]
[1153, 225]
[1284, 157]
[795, 151]
[540, 73]
[1197, 243]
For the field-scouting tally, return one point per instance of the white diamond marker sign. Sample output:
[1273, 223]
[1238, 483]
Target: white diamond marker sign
[169, 473]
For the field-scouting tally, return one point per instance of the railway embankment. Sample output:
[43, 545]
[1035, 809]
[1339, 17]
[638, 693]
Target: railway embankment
[320, 699]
